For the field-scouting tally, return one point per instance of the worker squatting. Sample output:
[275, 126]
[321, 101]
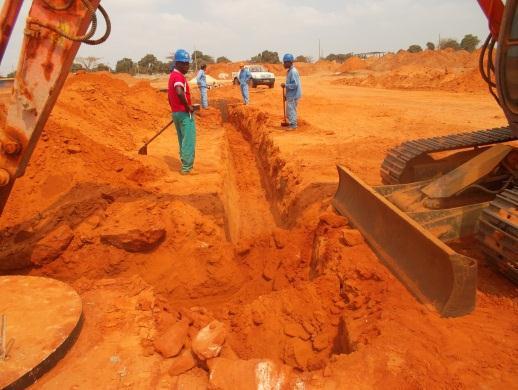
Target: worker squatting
[179, 95]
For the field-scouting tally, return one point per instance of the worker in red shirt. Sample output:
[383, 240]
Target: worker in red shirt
[180, 101]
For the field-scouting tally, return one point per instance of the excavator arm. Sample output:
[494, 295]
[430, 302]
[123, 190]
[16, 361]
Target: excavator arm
[8, 17]
[494, 10]
[53, 33]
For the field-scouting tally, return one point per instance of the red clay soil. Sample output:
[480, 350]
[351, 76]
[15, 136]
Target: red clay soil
[445, 70]
[240, 276]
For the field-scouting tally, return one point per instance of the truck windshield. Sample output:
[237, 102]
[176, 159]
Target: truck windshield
[257, 68]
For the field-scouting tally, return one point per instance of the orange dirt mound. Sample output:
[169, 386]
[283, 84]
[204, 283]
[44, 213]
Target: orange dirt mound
[446, 70]
[426, 59]
[353, 63]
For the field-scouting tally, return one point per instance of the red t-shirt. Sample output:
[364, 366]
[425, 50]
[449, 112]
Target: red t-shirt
[178, 79]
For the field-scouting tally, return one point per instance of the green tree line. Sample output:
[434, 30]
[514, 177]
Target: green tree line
[469, 43]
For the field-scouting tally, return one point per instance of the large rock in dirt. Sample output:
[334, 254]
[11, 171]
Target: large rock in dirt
[182, 363]
[195, 379]
[50, 247]
[298, 353]
[135, 240]
[250, 375]
[208, 342]
[333, 220]
[171, 342]
[295, 330]
[352, 237]
[134, 226]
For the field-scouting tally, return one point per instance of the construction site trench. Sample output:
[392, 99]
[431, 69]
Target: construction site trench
[242, 274]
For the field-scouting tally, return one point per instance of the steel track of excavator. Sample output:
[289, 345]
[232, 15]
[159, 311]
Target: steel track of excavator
[397, 168]
[498, 233]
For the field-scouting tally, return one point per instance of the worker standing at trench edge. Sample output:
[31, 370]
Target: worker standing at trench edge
[179, 95]
[201, 80]
[293, 90]
[244, 77]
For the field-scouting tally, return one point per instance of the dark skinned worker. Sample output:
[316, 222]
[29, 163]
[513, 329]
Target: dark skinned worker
[180, 101]
[293, 90]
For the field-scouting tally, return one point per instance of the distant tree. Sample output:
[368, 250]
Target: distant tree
[449, 43]
[11, 75]
[126, 65]
[76, 67]
[149, 64]
[430, 46]
[415, 49]
[103, 68]
[167, 67]
[88, 63]
[340, 58]
[223, 60]
[268, 57]
[199, 58]
[301, 58]
[469, 42]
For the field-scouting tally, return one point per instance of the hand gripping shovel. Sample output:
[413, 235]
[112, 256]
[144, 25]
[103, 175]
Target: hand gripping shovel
[143, 149]
[285, 122]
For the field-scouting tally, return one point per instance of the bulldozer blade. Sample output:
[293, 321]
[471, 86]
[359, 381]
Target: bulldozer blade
[433, 272]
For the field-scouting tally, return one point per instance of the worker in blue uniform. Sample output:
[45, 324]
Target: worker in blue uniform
[244, 77]
[201, 80]
[293, 90]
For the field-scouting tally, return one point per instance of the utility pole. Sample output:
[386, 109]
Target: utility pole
[319, 51]
[195, 60]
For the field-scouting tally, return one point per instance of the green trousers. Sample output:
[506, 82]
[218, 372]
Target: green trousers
[186, 130]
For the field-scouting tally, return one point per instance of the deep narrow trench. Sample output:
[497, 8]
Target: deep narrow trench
[248, 209]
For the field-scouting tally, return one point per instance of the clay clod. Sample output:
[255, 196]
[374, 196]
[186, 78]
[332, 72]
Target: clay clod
[171, 342]
[208, 342]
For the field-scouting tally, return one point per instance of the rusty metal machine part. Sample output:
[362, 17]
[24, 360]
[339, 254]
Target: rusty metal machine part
[5, 177]
[430, 269]
[53, 33]
[38, 329]
[498, 233]
[399, 166]
[8, 16]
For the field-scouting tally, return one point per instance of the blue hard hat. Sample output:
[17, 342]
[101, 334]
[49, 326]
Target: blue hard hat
[182, 55]
[288, 58]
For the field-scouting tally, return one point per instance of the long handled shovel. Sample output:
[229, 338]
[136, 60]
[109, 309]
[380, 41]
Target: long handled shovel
[285, 122]
[143, 149]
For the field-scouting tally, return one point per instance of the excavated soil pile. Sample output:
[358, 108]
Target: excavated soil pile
[447, 70]
[352, 64]
[235, 277]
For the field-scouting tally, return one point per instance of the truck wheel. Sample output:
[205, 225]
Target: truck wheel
[271, 85]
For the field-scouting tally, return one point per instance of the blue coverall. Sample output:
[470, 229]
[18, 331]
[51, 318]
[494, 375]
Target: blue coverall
[293, 94]
[243, 77]
[201, 79]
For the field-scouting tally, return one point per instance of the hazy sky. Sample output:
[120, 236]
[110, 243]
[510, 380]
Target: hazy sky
[239, 29]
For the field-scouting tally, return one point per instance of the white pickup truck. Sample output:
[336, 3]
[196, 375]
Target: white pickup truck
[260, 76]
